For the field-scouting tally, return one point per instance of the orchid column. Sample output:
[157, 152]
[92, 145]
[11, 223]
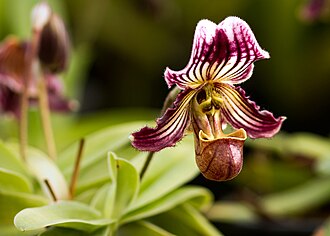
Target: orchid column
[222, 57]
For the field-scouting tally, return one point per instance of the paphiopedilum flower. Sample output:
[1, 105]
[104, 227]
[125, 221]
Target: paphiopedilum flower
[24, 63]
[13, 67]
[222, 57]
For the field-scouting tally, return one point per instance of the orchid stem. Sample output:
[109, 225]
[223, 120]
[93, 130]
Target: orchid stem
[76, 168]
[45, 119]
[146, 164]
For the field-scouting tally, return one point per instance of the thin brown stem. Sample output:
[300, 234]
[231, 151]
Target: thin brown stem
[146, 164]
[75, 174]
[50, 189]
[46, 120]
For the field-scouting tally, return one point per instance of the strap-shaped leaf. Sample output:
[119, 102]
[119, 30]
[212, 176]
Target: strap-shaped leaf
[126, 182]
[96, 147]
[68, 214]
[114, 198]
[168, 170]
[196, 195]
[14, 181]
[9, 159]
[43, 168]
[13, 202]
[142, 228]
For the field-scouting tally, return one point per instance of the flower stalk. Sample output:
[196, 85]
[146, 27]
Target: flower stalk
[46, 119]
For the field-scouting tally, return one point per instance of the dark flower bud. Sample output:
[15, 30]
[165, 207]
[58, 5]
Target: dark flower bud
[220, 159]
[54, 45]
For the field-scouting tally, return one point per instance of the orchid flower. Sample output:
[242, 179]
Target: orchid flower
[20, 69]
[12, 68]
[222, 57]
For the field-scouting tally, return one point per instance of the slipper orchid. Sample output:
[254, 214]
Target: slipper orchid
[222, 57]
[17, 63]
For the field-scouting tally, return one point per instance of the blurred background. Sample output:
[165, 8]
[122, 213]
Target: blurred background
[125, 46]
[122, 47]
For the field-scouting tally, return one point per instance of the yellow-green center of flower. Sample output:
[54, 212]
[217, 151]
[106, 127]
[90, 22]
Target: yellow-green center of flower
[209, 99]
[206, 112]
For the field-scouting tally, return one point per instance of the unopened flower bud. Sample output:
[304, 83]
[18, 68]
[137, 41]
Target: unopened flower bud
[54, 45]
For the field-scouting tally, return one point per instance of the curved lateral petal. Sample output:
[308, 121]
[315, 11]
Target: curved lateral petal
[170, 127]
[12, 63]
[241, 112]
[223, 52]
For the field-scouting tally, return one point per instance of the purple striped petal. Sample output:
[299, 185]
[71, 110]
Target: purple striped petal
[170, 127]
[240, 112]
[223, 52]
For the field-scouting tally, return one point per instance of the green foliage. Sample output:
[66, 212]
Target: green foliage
[68, 214]
[109, 194]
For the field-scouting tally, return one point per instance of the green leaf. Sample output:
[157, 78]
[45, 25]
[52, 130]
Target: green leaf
[100, 195]
[169, 169]
[185, 220]
[124, 186]
[43, 168]
[305, 144]
[10, 160]
[13, 202]
[68, 214]
[13, 181]
[87, 196]
[232, 211]
[114, 197]
[77, 127]
[142, 228]
[308, 144]
[300, 199]
[57, 231]
[199, 197]
[322, 167]
[94, 176]
[292, 202]
[96, 146]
